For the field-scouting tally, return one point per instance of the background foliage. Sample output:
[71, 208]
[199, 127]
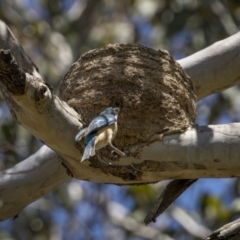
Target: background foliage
[54, 34]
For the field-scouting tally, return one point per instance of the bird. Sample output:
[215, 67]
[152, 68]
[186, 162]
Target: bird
[100, 133]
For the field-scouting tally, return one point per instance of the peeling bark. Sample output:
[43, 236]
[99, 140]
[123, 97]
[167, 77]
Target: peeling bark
[11, 76]
[9, 42]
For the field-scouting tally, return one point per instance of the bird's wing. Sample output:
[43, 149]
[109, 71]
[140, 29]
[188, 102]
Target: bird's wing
[109, 118]
[100, 122]
[80, 135]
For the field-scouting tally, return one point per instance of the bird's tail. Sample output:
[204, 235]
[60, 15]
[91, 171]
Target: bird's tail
[89, 150]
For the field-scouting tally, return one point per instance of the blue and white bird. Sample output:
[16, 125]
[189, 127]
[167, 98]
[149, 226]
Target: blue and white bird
[100, 133]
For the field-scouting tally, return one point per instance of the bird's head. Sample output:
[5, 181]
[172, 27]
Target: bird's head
[110, 110]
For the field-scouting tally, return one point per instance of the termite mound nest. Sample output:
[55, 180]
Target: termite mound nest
[154, 93]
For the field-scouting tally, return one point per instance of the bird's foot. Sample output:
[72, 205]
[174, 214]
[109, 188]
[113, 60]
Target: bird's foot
[122, 154]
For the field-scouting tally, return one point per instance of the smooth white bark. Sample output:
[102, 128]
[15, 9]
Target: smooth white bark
[216, 67]
[208, 151]
[29, 180]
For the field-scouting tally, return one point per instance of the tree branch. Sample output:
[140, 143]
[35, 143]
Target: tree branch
[118, 217]
[29, 180]
[214, 68]
[230, 231]
[224, 16]
[9, 42]
[188, 222]
[171, 192]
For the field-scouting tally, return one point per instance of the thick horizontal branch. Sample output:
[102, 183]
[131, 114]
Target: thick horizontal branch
[199, 152]
[210, 151]
[207, 151]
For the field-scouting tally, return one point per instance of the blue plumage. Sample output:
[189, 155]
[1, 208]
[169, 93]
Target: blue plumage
[100, 132]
